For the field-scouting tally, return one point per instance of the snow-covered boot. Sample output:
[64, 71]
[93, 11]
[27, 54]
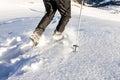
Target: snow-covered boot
[36, 36]
[58, 35]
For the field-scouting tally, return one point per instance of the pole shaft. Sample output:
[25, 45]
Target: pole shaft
[78, 30]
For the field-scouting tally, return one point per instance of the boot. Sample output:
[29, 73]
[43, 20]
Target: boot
[35, 37]
[57, 35]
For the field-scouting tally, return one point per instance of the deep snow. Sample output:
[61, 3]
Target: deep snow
[98, 57]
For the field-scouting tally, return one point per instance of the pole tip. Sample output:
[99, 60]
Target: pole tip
[75, 47]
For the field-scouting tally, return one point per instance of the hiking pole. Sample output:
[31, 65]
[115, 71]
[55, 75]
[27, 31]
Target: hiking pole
[75, 46]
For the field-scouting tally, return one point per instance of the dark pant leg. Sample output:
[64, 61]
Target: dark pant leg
[51, 8]
[64, 7]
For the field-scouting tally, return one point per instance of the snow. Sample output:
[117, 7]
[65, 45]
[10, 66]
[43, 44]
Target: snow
[98, 56]
[20, 8]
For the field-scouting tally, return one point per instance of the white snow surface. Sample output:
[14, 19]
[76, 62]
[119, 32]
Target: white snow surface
[98, 55]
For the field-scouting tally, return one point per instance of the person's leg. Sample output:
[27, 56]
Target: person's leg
[64, 7]
[50, 7]
[50, 12]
